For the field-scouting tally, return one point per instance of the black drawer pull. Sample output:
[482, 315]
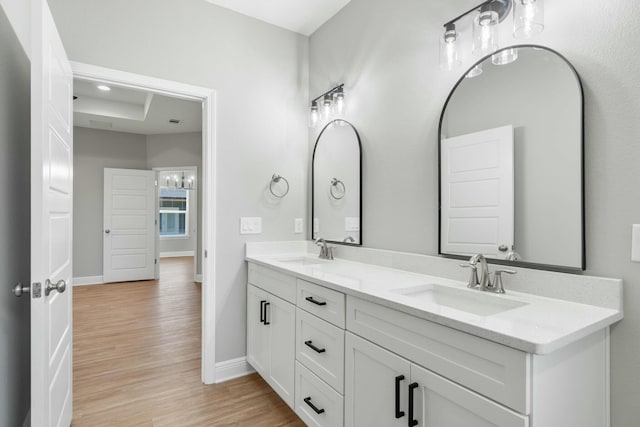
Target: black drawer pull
[412, 422]
[316, 349]
[311, 300]
[262, 310]
[266, 322]
[307, 400]
[399, 413]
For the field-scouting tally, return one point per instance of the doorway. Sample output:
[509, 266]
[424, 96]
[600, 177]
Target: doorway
[103, 76]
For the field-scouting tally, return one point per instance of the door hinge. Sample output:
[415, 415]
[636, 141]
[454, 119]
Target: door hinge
[205, 253]
[156, 222]
[36, 290]
[155, 261]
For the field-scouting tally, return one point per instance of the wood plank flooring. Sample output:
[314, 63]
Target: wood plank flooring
[136, 362]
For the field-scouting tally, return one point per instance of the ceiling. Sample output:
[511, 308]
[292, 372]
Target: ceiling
[133, 111]
[300, 16]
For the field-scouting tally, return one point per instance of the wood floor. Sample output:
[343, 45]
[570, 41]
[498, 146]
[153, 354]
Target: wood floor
[137, 360]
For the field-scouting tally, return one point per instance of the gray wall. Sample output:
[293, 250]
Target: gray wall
[175, 150]
[14, 226]
[94, 150]
[387, 54]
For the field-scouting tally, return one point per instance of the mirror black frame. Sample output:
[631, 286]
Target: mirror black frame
[582, 171]
[313, 159]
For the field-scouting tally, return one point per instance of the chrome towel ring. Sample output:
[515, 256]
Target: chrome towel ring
[337, 189]
[276, 179]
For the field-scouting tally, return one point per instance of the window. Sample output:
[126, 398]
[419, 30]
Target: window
[174, 212]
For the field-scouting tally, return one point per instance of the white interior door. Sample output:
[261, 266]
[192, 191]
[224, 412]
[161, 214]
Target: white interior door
[477, 193]
[51, 223]
[129, 225]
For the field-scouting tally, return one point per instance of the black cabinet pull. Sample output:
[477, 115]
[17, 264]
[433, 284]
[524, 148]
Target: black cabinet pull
[399, 413]
[266, 322]
[307, 400]
[262, 310]
[316, 349]
[312, 301]
[412, 422]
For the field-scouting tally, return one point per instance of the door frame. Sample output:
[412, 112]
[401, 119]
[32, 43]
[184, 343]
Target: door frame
[207, 96]
[197, 208]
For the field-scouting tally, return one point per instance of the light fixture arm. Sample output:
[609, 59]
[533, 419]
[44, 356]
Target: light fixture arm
[331, 91]
[503, 10]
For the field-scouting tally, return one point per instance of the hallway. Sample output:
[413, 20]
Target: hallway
[137, 360]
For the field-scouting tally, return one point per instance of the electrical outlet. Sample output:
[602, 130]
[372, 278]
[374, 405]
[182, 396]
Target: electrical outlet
[298, 225]
[250, 225]
[351, 224]
[635, 243]
[316, 225]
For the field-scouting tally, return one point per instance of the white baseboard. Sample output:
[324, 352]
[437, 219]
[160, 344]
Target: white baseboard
[199, 278]
[89, 280]
[234, 368]
[27, 420]
[177, 254]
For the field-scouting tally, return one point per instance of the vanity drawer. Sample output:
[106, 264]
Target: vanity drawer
[491, 369]
[274, 282]
[313, 396]
[323, 302]
[320, 347]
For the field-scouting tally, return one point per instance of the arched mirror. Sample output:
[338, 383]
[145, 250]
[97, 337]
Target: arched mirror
[511, 161]
[337, 184]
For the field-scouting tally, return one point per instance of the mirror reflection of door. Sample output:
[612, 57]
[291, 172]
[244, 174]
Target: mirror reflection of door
[336, 186]
[477, 193]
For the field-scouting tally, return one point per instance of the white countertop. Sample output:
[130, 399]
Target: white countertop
[540, 325]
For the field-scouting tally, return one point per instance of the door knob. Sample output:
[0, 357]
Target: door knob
[59, 286]
[19, 289]
[107, 231]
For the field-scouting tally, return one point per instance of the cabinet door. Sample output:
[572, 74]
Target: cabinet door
[257, 332]
[442, 403]
[371, 374]
[281, 319]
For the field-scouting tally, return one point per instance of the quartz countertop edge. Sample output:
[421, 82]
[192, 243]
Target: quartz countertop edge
[532, 328]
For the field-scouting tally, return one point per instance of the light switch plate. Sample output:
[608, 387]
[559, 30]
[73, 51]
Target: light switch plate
[250, 225]
[635, 243]
[298, 225]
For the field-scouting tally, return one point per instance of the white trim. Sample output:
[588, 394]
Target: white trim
[27, 419]
[234, 368]
[208, 97]
[198, 278]
[177, 254]
[607, 375]
[88, 280]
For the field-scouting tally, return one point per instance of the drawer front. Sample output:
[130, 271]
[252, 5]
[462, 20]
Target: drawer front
[317, 404]
[320, 347]
[279, 284]
[493, 370]
[325, 303]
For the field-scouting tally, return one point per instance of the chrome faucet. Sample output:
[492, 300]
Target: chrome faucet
[326, 251]
[484, 283]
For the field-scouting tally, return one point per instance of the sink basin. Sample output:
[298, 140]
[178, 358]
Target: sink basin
[467, 300]
[302, 261]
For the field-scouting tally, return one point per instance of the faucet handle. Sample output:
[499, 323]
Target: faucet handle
[473, 278]
[497, 285]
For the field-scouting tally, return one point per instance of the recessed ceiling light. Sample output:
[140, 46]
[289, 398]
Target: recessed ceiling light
[104, 88]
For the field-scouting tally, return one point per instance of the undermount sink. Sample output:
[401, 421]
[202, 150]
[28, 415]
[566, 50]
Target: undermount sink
[302, 261]
[467, 300]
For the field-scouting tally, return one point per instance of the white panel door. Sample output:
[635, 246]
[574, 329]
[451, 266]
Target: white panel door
[477, 193]
[376, 385]
[51, 223]
[129, 225]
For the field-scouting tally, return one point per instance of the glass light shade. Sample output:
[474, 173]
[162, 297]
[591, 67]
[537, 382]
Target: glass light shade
[528, 18]
[314, 115]
[504, 57]
[474, 72]
[485, 31]
[338, 102]
[326, 107]
[449, 52]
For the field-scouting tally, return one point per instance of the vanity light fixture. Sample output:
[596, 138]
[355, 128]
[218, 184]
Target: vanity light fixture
[528, 20]
[332, 104]
[174, 180]
[474, 72]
